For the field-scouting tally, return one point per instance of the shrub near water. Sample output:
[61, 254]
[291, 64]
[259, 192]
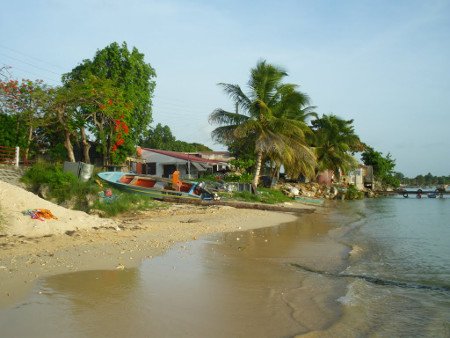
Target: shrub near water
[63, 187]
[264, 195]
[125, 202]
[353, 193]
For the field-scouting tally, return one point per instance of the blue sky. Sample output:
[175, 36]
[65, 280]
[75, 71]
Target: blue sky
[385, 64]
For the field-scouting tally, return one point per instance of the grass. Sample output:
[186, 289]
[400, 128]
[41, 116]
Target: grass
[122, 202]
[353, 193]
[63, 187]
[264, 195]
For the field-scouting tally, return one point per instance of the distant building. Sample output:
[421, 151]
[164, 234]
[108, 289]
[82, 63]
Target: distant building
[326, 177]
[190, 165]
[361, 177]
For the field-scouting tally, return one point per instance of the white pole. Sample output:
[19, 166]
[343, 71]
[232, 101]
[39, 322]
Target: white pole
[17, 157]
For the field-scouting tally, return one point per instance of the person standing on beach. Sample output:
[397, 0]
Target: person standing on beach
[176, 183]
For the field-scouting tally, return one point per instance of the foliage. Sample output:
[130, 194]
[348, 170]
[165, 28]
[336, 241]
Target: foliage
[423, 180]
[271, 119]
[383, 167]
[126, 202]
[128, 72]
[12, 133]
[242, 165]
[335, 141]
[62, 185]
[263, 195]
[353, 193]
[161, 137]
[22, 106]
[65, 187]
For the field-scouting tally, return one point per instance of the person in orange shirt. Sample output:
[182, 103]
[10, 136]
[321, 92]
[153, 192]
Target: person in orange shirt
[176, 183]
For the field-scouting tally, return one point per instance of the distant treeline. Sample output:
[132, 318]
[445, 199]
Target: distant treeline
[424, 180]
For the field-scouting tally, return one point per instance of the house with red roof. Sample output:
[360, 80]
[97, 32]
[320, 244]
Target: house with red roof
[163, 163]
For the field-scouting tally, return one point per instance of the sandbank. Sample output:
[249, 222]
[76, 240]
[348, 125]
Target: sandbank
[76, 241]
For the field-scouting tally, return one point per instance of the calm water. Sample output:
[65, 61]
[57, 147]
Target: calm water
[367, 268]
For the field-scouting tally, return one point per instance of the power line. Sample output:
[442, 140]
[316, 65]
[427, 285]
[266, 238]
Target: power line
[31, 72]
[30, 64]
[31, 57]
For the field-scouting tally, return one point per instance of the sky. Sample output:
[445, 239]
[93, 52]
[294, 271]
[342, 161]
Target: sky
[384, 64]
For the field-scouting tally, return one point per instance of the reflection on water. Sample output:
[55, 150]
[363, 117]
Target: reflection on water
[235, 284]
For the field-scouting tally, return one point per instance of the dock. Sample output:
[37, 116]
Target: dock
[412, 192]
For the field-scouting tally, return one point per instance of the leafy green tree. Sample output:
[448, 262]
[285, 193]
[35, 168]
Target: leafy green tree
[24, 103]
[335, 141]
[97, 106]
[383, 166]
[127, 71]
[266, 123]
[161, 137]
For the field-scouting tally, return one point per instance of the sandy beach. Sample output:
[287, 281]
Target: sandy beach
[76, 241]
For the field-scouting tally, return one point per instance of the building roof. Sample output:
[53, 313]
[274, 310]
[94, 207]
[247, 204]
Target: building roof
[183, 156]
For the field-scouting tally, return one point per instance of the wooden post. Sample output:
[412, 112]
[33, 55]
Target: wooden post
[16, 161]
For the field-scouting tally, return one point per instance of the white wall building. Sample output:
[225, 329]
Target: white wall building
[163, 163]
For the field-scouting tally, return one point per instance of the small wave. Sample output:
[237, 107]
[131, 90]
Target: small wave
[356, 251]
[378, 281]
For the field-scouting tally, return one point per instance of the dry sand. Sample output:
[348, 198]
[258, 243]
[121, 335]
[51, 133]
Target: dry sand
[76, 241]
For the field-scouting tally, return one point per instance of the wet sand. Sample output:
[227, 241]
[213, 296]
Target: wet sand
[132, 239]
[240, 283]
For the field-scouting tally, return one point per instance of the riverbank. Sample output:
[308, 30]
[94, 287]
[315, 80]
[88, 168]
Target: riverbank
[31, 249]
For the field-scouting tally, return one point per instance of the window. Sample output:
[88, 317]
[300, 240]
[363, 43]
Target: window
[151, 168]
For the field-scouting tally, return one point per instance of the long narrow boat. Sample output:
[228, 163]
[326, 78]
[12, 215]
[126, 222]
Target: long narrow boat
[155, 187]
[309, 200]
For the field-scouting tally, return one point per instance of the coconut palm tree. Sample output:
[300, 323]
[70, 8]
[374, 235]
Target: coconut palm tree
[267, 118]
[335, 141]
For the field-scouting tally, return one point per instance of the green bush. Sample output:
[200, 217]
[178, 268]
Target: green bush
[65, 187]
[62, 185]
[353, 194]
[264, 195]
[121, 202]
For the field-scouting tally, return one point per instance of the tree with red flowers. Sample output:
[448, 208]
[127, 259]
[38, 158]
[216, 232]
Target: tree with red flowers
[89, 109]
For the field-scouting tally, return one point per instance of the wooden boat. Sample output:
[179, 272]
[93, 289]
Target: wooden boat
[309, 200]
[155, 187]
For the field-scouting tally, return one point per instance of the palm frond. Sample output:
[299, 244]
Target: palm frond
[237, 95]
[221, 117]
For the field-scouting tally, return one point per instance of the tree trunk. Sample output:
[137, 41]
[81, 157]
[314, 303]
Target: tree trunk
[27, 148]
[257, 171]
[86, 146]
[68, 146]
[67, 142]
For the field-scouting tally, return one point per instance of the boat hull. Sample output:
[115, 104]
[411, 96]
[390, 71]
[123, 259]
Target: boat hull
[153, 187]
[309, 200]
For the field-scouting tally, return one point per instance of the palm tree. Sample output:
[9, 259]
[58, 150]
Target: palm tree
[335, 141]
[271, 120]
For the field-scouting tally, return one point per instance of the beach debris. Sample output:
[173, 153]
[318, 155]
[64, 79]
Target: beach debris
[70, 232]
[39, 214]
[191, 220]
[107, 196]
[99, 183]
[120, 266]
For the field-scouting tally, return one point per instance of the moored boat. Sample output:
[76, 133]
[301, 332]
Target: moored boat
[310, 200]
[155, 187]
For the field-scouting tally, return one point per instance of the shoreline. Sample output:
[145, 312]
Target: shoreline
[123, 242]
